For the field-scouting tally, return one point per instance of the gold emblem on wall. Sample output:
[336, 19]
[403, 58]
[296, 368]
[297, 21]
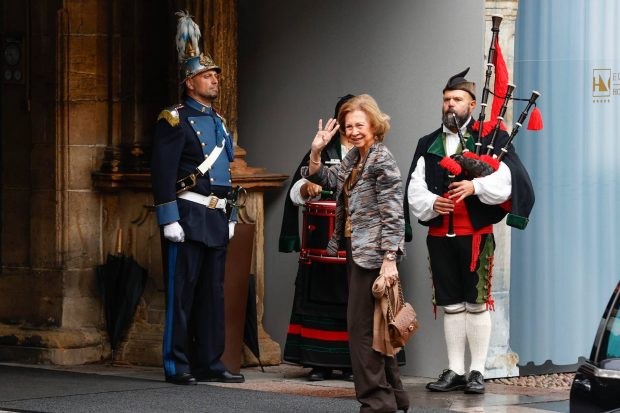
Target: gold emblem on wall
[601, 83]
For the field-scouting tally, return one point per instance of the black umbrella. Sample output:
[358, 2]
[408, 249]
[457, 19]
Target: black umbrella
[250, 330]
[121, 283]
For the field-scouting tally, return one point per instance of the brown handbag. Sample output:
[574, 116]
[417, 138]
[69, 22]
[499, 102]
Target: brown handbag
[402, 322]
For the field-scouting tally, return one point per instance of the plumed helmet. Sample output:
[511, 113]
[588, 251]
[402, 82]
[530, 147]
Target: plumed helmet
[191, 60]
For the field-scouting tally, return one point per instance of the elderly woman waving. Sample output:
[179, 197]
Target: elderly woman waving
[370, 225]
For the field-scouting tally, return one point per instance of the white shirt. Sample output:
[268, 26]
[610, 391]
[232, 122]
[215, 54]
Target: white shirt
[295, 193]
[492, 189]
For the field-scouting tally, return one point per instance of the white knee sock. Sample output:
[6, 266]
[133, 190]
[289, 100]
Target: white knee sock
[456, 339]
[478, 335]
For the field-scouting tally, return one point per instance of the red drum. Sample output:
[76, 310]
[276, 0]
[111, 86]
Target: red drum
[318, 227]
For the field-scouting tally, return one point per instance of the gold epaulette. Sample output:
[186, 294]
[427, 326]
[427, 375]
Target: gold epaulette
[171, 115]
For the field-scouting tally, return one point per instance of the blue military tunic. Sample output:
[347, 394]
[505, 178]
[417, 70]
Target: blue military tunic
[185, 136]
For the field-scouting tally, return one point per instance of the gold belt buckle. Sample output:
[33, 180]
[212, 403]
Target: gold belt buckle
[213, 202]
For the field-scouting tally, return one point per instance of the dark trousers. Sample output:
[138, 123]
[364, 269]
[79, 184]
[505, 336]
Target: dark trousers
[377, 380]
[194, 327]
[453, 280]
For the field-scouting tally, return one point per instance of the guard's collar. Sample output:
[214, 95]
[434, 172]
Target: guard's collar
[194, 104]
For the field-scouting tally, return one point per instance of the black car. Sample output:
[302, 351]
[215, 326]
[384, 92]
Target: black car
[596, 387]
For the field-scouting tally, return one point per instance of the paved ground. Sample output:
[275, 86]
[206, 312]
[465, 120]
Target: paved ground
[102, 388]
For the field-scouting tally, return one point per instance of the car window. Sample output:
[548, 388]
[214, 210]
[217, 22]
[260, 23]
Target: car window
[613, 341]
[606, 348]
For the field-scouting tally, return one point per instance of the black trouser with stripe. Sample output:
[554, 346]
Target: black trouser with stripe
[194, 327]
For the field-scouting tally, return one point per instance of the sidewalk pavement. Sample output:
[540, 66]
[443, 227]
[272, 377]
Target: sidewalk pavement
[105, 388]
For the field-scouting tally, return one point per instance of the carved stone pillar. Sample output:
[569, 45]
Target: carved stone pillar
[501, 360]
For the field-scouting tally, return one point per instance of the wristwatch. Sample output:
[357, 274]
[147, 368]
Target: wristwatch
[390, 256]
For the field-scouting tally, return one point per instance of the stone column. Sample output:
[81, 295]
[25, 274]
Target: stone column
[502, 361]
[56, 313]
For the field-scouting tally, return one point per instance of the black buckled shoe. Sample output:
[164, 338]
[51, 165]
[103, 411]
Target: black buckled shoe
[319, 374]
[448, 381]
[222, 377]
[475, 383]
[181, 378]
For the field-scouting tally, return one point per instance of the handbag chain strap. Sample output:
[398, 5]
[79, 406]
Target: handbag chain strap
[400, 296]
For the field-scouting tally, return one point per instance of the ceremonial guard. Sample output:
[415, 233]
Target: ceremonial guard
[192, 151]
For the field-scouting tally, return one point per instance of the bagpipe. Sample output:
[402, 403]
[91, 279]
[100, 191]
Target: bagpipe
[473, 164]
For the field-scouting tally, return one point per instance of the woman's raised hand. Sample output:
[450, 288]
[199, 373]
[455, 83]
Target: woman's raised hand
[324, 135]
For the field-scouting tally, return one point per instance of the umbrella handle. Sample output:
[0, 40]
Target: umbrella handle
[119, 241]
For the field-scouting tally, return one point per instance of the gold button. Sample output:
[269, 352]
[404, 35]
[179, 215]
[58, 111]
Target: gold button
[197, 132]
[191, 121]
[203, 144]
[211, 179]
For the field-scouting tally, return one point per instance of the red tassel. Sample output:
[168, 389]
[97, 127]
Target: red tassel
[491, 161]
[471, 155]
[452, 166]
[476, 126]
[475, 251]
[535, 122]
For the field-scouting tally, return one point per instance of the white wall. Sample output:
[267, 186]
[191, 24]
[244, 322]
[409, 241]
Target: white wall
[297, 57]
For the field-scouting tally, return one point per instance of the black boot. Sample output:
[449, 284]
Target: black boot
[181, 378]
[221, 377]
[448, 381]
[319, 374]
[347, 375]
[475, 383]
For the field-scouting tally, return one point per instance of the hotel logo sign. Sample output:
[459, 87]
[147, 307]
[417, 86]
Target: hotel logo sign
[605, 85]
[601, 83]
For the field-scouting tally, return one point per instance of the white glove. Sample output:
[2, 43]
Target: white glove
[231, 229]
[174, 232]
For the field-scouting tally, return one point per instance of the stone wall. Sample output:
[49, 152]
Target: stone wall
[100, 72]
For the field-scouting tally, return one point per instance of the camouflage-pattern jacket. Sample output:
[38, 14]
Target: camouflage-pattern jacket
[375, 205]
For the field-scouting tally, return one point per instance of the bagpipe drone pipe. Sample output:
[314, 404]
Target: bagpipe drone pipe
[473, 164]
